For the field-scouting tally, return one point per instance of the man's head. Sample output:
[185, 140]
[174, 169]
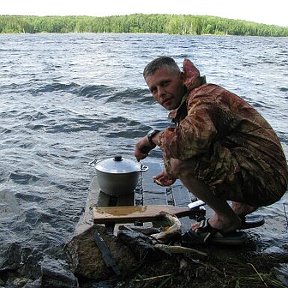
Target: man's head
[165, 81]
[160, 62]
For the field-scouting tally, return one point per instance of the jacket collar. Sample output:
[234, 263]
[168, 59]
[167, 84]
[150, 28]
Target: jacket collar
[176, 114]
[181, 112]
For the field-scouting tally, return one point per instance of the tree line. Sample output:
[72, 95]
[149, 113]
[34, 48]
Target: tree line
[139, 23]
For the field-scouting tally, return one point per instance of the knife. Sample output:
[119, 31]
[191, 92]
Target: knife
[106, 254]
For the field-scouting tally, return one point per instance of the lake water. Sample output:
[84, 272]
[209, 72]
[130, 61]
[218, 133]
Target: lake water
[67, 99]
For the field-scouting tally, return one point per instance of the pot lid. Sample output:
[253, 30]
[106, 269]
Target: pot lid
[118, 165]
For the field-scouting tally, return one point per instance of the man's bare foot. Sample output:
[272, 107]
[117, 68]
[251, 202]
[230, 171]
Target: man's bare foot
[242, 209]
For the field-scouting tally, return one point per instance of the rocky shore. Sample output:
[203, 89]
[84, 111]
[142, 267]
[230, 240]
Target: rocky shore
[143, 264]
[140, 261]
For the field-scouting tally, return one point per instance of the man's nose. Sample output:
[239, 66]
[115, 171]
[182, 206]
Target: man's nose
[160, 92]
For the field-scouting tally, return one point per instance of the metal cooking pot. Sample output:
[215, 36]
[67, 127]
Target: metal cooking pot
[118, 176]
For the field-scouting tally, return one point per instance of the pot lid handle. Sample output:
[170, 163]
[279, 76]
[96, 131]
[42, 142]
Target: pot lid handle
[118, 158]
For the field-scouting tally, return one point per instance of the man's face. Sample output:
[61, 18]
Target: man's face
[166, 87]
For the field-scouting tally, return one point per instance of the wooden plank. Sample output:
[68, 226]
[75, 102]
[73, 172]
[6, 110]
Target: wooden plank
[126, 214]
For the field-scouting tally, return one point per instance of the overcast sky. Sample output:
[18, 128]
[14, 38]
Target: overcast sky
[262, 11]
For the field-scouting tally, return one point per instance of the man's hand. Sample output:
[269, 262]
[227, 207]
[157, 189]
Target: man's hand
[142, 148]
[163, 179]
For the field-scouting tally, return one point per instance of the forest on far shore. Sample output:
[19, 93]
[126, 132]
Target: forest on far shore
[139, 23]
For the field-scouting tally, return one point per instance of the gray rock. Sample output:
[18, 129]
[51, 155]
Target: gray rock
[56, 274]
[140, 244]
[24, 260]
[34, 284]
[282, 273]
[85, 258]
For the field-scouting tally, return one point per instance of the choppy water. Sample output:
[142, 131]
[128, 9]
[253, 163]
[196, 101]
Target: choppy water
[66, 99]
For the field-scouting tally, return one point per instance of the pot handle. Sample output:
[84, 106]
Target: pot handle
[143, 168]
[94, 162]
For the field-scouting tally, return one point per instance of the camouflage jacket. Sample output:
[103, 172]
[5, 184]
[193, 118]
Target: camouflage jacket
[224, 135]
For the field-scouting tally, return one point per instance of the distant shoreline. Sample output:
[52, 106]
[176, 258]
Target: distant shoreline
[139, 23]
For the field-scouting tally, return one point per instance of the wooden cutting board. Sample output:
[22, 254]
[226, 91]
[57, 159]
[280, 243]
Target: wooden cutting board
[126, 214]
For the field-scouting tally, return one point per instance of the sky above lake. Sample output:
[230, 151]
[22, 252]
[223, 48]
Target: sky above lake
[261, 11]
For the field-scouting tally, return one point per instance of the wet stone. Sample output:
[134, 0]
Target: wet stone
[56, 274]
[24, 260]
[34, 284]
[282, 273]
[86, 260]
[140, 244]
